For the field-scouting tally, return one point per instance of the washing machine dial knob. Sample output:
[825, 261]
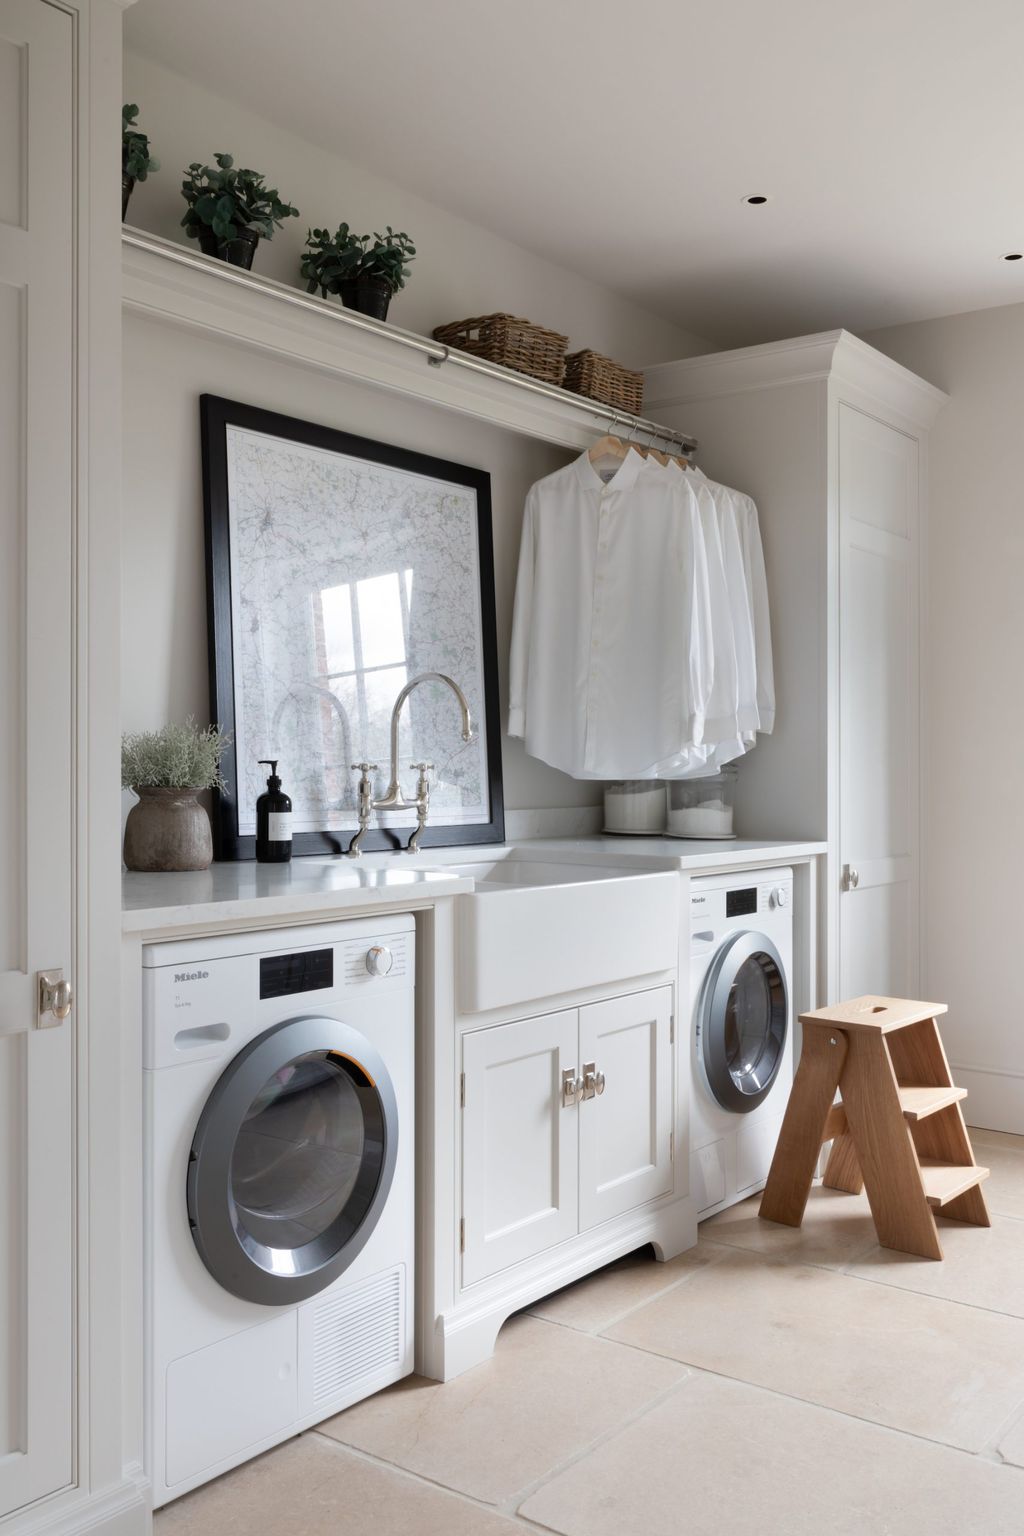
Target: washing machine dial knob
[780, 897]
[379, 960]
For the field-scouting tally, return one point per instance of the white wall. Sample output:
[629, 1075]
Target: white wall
[463, 270]
[460, 269]
[973, 734]
[164, 595]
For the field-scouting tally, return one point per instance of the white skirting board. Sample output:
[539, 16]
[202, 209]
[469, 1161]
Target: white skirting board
[995, 1099]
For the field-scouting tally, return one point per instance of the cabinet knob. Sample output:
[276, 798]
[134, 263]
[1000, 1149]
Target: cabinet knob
[593, 1080]
[572, 1088]
[851, 878]
[55, 999]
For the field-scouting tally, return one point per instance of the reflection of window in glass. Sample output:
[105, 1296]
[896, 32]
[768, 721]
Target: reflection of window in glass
[361, 634]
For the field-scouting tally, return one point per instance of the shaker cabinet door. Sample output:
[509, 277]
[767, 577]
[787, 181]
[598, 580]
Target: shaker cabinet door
[878, 731]
[519, 1147]
[37, 1172]
[626, 1128]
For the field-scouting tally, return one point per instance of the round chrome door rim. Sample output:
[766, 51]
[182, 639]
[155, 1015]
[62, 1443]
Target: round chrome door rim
[728, 959]
[246, 1268]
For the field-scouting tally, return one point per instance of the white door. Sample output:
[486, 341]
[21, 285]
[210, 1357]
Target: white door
[519, 1142]
[36, 746]
[878, 712]
[625, 1128]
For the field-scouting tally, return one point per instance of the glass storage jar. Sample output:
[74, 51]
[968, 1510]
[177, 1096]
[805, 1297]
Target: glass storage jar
[635, 807]
[702, 807]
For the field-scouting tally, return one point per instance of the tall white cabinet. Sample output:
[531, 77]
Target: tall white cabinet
[37, 1240]
[62, 1464]
[830, 438]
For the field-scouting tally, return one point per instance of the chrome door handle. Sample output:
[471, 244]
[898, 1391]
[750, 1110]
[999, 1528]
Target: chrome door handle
[55, 999]
[572, 1088]
[851, 878]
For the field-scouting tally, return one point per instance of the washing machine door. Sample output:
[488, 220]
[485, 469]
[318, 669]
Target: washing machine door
[743, 1018]
[292, 1160]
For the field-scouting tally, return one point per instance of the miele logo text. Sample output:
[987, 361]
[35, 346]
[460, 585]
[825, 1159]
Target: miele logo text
[190, 975]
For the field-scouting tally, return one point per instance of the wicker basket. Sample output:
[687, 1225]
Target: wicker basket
[599, 378]
[511, 341]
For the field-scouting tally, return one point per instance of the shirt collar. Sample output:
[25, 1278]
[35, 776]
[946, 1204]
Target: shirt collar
[624, 478]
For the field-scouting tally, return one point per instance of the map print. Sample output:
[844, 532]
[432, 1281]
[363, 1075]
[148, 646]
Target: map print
[349, 578]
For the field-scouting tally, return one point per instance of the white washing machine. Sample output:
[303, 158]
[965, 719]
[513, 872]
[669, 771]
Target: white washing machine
[741, 1056]
[279, 1186]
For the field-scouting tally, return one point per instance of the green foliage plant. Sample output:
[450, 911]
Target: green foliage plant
[227, 199]
[136, 160]
[330, 260]
[176, 757]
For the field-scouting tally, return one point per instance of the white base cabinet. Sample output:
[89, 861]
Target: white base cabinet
[566, 1123]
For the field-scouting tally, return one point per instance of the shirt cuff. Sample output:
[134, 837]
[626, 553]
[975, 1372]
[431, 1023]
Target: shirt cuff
[516, 721]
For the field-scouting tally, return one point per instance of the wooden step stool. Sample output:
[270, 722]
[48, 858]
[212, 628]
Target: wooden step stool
[899, 1131]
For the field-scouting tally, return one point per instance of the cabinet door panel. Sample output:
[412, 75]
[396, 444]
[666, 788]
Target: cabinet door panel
[878, 494]
[625, 1147]
[519, 1146]
[37, 1172]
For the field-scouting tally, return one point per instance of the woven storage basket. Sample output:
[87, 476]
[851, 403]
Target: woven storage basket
[599, 378]
[511, 341]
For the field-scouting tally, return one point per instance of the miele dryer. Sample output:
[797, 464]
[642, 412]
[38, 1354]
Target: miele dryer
[279, 1185]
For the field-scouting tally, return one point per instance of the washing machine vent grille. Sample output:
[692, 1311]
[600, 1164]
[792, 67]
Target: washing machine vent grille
[358, 1335]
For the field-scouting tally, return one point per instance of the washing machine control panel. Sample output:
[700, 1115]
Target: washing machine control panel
[714, 903]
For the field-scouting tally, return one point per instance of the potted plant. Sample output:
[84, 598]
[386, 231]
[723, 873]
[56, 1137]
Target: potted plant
[366, 276]
[168, 828]
[136, 160]
[229, 209]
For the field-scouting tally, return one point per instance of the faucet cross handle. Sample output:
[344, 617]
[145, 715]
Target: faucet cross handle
[364, 767]
[423, 767]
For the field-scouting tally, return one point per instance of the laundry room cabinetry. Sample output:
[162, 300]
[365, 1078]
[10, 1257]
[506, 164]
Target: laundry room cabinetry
[830, 438]
[566, 1123]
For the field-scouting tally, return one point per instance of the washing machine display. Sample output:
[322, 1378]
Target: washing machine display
[743, 1021]
[292, 1160]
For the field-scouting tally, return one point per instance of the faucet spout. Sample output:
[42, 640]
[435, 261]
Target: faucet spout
[393, 797]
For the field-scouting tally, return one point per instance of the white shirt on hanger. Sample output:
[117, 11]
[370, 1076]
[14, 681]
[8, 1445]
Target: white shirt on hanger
[612, 666]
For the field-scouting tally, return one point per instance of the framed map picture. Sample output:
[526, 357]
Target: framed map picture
[339, 569]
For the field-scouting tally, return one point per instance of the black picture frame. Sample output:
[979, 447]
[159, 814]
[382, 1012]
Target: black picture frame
[216, 416]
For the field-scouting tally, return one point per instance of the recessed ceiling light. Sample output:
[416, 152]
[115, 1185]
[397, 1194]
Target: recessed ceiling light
[1014, 256]
[755, 199]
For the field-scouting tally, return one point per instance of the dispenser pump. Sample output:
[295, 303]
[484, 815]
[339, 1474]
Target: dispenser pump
[273, 819]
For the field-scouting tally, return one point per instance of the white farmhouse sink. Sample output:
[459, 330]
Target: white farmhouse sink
[536, 928]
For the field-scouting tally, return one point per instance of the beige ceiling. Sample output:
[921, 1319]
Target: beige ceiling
[619, 140]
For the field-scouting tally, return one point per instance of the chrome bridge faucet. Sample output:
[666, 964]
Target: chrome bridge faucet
[393, 798]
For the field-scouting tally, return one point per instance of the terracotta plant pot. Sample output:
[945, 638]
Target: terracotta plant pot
[168, 830]
[238, 252]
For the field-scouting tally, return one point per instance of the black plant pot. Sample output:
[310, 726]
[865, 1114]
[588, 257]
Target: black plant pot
[239, 252]
[369, 295]
[127, 183]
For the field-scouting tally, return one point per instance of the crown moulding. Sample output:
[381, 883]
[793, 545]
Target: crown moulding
[832, 357]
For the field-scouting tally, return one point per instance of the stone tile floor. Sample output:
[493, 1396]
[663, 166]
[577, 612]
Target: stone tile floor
[770, 1381]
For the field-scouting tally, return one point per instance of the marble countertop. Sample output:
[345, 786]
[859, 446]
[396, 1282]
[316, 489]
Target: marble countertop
[247, 893]
[246, 890]
[697, 854]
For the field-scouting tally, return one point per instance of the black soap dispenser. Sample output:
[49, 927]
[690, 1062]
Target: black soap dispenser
[273, 820]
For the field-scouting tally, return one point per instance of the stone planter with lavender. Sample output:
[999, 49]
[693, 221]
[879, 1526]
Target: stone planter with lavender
[169, 829]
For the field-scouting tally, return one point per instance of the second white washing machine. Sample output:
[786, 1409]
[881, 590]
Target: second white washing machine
[741, 1043]
[279, 1185]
